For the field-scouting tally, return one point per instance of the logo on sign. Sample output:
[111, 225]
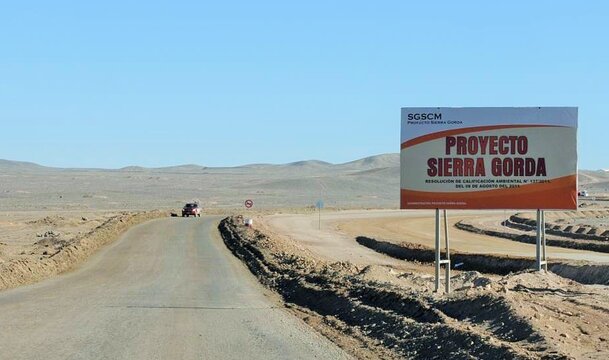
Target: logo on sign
[425, 116]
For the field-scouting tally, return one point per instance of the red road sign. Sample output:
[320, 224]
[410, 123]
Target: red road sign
[249, 203]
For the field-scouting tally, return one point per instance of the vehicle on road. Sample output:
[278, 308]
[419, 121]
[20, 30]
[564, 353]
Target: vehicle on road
[191, 209]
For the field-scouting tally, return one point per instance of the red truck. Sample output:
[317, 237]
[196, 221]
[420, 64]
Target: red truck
[191, 209]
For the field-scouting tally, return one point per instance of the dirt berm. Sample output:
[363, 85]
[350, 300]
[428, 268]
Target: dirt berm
[68, 254]
[581, 271]
[389, 321]
[570, 243]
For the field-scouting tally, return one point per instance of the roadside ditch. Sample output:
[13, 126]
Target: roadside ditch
[572, 243]
[582, 272]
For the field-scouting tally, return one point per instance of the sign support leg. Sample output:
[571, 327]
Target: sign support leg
[544, 260]
[439, 262]
[538, 241]
[437, 250]
[540, 248]
[446, 239]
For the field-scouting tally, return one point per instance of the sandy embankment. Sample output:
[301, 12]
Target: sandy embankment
[34, 248]
[365, 237]
[418, 229]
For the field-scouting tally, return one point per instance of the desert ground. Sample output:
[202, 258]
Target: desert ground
[569, 319]
[88, 254]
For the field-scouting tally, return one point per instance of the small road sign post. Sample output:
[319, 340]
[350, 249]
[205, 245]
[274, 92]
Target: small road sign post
[249, 203]
[319, 205]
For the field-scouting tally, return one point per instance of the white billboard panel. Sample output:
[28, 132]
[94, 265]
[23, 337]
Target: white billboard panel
[489, 158]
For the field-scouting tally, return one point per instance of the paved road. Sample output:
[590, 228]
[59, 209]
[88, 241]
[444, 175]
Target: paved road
[168, 289]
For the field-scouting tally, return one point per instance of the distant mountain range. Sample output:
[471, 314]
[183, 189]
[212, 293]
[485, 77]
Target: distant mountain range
[378, 161]
[371, 182]
[10, 164]
[367, 165]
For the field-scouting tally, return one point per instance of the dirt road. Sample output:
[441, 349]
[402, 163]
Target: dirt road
[168, 289]
[336, 239]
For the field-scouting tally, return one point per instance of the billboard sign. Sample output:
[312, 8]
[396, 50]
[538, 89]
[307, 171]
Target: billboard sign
[489, 158]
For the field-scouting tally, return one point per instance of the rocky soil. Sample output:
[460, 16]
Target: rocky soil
[524, 315]
[34, 249]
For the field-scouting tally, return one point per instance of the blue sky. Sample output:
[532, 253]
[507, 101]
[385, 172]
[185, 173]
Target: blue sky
[225, 83]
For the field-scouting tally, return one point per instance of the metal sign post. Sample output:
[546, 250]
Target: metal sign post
[439, 262]
[320, 202]
[319, 205]
[447, 261]
[542, 260]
